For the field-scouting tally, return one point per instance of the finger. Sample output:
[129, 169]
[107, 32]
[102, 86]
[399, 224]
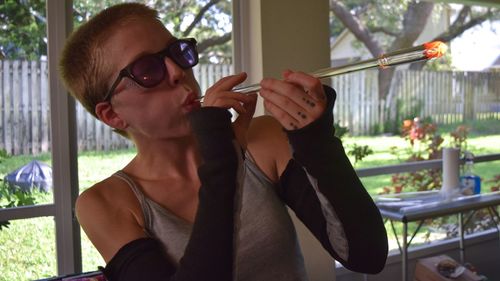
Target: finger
[311, 84]
[284, 102]
[229, 103]
[283, 88]
[284, 118]
[315, 100]
[286, 111]
[249, 111]
[211, 99]
[248, 103]
[228, 82]
[292, 99]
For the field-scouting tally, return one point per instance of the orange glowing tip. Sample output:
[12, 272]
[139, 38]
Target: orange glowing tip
[435, 49]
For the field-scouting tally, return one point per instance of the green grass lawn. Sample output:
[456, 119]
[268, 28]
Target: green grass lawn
[28, 246]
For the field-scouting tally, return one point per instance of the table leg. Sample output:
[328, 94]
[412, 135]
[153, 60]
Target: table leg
[461, 233]
[496, 219]
[404, 252]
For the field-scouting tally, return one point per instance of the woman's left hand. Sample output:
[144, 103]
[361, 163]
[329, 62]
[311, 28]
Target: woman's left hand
[295, 101]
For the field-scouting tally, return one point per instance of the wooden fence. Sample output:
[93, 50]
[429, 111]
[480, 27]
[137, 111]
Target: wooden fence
[446, 97]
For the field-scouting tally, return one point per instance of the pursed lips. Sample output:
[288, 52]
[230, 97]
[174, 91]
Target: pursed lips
[191, 102]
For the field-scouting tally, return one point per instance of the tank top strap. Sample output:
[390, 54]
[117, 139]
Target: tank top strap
[138, 194]
[251, 165]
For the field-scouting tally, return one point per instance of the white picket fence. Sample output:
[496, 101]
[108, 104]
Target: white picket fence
[446, 97]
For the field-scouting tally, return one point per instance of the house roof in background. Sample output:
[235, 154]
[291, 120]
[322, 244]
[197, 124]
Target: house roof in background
[496, 63]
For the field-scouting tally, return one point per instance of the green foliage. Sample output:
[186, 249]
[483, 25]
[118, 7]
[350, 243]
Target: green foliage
[3, 155]
[23, 28]
[11, 197]
[404, 110]
[424, 144]
[340, 131]
[495, 181]
[23, 24]
[359, 152]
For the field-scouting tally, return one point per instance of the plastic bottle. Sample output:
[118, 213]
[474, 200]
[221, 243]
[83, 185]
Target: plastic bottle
[469, 180]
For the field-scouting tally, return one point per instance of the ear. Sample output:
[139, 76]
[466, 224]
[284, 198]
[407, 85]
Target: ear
[106, 114]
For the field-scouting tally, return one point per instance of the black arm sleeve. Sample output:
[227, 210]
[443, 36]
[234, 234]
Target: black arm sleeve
[209, 252]
[319, 154]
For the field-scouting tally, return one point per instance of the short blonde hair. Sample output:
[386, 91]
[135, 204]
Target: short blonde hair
[82, 66]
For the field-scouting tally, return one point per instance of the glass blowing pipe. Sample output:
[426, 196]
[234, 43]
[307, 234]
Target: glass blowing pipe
[426, 51]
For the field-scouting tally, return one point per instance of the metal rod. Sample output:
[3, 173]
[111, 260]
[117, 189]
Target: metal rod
[404, 262]
[419, 53]
[462, 237]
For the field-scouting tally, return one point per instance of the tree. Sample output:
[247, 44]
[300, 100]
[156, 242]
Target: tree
[23, 29]
[184, 18]
[389, 25]
[23, 23]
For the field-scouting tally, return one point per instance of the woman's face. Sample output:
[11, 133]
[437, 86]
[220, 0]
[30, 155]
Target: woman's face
[158, 112]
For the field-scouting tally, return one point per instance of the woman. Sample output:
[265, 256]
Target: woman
[204, 198]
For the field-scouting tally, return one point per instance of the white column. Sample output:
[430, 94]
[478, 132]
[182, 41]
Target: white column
[273, 35]
[269, 37]
[64, 148]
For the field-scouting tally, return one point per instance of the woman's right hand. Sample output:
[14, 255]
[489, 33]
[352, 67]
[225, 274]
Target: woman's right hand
[221, 95]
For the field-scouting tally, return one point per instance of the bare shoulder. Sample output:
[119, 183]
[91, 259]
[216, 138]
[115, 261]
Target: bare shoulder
[268, 144]
[108, 214]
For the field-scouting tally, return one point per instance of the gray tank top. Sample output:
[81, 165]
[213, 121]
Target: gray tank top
[267, 247]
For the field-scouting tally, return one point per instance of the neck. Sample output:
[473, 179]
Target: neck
[172, 158]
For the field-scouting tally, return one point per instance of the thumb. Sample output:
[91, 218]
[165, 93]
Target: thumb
[249, 109]
[242, 122]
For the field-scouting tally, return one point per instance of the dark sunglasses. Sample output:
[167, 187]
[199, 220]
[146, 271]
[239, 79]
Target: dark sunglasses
[149, 71]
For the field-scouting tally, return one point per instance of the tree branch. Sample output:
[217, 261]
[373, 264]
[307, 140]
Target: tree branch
[356, 27]
[383, 30]
[456, 30]
[414, 21]
[207, 43]
[462, 16]
[199, 16]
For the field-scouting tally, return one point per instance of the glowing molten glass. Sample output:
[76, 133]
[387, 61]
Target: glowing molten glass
[435, 49]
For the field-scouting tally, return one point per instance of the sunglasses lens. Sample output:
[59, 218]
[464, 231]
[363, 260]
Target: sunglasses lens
[184, 53]
[148, 71]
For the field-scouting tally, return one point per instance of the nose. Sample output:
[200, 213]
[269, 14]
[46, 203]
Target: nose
[175, 72]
